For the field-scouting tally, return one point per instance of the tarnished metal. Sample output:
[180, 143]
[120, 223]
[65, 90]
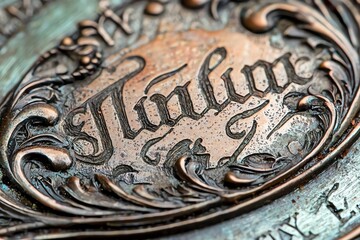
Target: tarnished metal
[159, 117]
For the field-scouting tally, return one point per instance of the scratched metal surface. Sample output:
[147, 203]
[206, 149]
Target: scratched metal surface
[325, 208]
[19, 53]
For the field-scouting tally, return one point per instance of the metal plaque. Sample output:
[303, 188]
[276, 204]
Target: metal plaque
[160, 117]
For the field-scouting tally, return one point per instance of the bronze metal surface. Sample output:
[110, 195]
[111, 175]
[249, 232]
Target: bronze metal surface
[158, 117]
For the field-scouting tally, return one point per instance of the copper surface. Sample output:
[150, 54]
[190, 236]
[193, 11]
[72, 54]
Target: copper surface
[163, 116]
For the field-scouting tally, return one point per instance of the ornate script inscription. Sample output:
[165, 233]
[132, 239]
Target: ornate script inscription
[192, 88]
[140, 123]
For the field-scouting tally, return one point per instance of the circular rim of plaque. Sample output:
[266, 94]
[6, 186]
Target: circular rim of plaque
[47, 155]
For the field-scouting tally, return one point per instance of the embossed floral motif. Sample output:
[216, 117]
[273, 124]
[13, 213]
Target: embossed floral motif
[39, 158]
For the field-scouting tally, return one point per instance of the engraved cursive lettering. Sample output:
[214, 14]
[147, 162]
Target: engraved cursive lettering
[116, 91]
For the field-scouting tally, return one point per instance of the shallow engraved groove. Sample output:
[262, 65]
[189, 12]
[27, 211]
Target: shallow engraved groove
[138, 124]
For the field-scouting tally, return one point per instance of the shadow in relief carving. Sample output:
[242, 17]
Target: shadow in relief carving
[127, 128]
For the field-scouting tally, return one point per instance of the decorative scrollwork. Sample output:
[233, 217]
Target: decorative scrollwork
[40, 159]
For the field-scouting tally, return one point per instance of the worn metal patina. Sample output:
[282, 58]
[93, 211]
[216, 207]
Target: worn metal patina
[167, 118]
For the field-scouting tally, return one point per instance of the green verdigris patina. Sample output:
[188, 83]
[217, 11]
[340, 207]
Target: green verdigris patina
[325, 208]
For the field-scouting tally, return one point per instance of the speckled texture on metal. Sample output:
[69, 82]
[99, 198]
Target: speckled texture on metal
[213, 119]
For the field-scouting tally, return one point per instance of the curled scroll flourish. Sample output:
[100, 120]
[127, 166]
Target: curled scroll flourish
[111, 203]
[312, 21]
